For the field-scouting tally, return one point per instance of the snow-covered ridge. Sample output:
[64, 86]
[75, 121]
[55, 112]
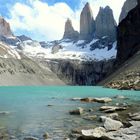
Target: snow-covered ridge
[67, 49]
[7, 52]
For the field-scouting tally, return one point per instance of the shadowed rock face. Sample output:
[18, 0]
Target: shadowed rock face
[129, 35]
[105, 24]
[87, 23]
[73, 72]
[5, 28]
[70, 33]
[128, 5]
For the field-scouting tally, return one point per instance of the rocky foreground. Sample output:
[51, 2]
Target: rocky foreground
[119, 121]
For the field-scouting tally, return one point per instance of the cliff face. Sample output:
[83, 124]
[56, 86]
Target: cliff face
[5, 28]
[129, 35]
[105, 24]
[73, 72]
[127, 75]
[128, 5]
[87, 23]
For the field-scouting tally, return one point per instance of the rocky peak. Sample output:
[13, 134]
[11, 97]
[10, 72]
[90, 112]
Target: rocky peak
[70, 33]
[5, 28]
[128, 36]
[105, 24]
[87, 23]
[128, 5]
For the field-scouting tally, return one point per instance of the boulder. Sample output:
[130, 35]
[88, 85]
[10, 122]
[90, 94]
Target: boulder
[119, 97]
[55, 49]
[97, 132]
[4, 112]
[112, 125]
[90, 118]
[78, 111]
[102, 100]
[113, 116]
[30, 138]
[110, 109]
[135, 116]
[45, 135]
[88, 99]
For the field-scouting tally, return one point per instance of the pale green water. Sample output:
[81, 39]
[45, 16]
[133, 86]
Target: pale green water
[30, 114]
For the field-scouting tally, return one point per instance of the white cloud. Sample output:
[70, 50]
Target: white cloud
[47, 21]
[39, 18]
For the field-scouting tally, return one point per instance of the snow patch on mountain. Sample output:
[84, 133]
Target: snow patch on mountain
[7, 52]
[68, 49]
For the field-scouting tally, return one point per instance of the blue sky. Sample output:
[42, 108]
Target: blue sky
[45, 19]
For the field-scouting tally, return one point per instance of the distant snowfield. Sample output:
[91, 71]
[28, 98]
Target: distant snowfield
[69, 50]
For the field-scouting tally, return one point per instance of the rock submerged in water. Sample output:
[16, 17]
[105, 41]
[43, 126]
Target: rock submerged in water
[90, 118]
[110, 109]
[135, 116]
[78, 111]
[102, 100]
[4, 112]
[98, 100]
[45, 135]
[30, 138]
[88, 100]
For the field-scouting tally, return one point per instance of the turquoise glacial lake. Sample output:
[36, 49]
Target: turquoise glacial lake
[30, 114]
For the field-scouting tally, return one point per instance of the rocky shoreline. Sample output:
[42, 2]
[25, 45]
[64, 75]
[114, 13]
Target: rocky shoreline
[117, 121]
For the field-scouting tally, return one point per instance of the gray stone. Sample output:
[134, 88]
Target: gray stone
[135, 116]
[102, 100]
[97, 132]
[78, 111]
[56, 48]
[119, 97]
[113, 116]
[45, 135]
[30, 138]
[87, 23]
[112, 125]
[90, 118]
[105, 24]
[110, 109]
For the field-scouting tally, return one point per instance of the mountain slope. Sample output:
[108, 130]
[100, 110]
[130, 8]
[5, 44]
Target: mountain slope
[16, 69]
[127, 76]
[128, 53]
